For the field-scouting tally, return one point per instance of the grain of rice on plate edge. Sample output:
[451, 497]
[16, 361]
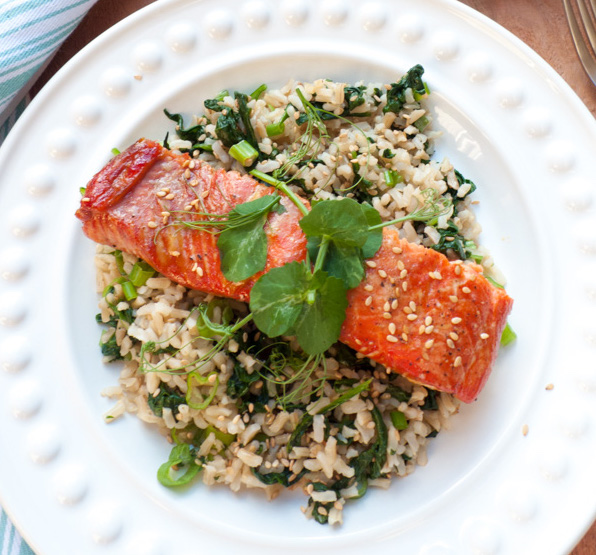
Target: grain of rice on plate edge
[250, 411]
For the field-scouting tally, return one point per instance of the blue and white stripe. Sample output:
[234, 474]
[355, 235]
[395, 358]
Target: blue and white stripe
[11, 542]
[30, 33]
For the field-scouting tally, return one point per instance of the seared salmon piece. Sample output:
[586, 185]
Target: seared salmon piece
[131, 201]
[436, 322]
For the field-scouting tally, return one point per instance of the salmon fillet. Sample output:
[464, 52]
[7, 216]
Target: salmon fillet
[126, 205]
[434, 321]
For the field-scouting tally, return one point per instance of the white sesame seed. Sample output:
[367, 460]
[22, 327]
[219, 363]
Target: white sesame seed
[161, 193]
[456, 320]
[392, 339]
[392, 328]
[413, 306]
[457, 362]
[466, 289]
[484, 336]
[371, 263]
[404, 336]
[387, 315]
[407, 310]
[453, 298]
[175, 253]
[450, 343]
[170, 196]
[404, 285]
[394, 304]
[549, 387]
[400, 265]
[368, 287]
[200, 271]
[382, 274]
[403, 274]
[454, 336]
[397, 250]
[412, 317]
[152, 225]
[421, 329]
[458, 270]
[525, 429]
[387, 307]
[368, 301]
[429, 330]
[428, 320]
[429, 344]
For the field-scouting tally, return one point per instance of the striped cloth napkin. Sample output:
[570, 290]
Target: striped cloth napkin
[30, 33]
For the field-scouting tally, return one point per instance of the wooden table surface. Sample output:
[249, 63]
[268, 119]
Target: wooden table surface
[539, 23]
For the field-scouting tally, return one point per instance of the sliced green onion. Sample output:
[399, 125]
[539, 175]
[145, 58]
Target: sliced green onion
[244, 152]
[399, 420]
[258, 91]
[129, 290]
[206, 147]
[225, 438]
[115, 151]
[421, 123]
[140, 273]
[192, 391]
[508, 335]
[418, 96]
[471, 246]
[82, 190]
[392, 178]
[182, 462]
[275, 129]
[119, 262]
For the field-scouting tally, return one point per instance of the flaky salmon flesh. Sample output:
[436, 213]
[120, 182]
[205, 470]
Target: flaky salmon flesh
[435, 321]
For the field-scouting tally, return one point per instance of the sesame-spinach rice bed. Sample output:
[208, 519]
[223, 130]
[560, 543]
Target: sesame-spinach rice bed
[248, 411]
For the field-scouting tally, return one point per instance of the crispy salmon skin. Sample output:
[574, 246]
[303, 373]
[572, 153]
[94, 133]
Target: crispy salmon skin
[436, 322]
[131, 201]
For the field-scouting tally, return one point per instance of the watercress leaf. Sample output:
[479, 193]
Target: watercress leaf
[343, 221]
[374, 238]
[345, 263]
[319, 323]
[276, 298]
[243, 245]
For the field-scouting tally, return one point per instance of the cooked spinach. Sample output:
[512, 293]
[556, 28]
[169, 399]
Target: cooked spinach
[396, 95]
[167, 397]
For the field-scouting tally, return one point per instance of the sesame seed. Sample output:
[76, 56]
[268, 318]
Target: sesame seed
[525, 429]
[425, 355]
[368, 301]
[458, 270]
[169, 196]
[394, 304]
[188, 207]
[407, 310]
[382, 274]
[403, 274]
[484, 336]
[457, 362]
[205, 194]
[404, 336]
[450, 343]
[152, 225]
[549, 387]
[368, 287]
[236, 419]
[466, 289]
[456, 320]
[412, 317]
[161, 194]
[175, 253]
[193, 182]
[387, 307]
[212, 378]
[454, 336]
[429, 330]
[397, 250]
[421, 329]
[200, 271]
[429, 344]
[165, 214]
[453, 298]
[192, 164]
[85, 199]
[392, 339]
[392, 328]
[413, 306]
[386, 315]
[371, 263]
[428, 320]
[404, 285]
[400, 265]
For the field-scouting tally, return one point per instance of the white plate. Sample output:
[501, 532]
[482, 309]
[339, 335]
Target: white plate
[75, 485]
